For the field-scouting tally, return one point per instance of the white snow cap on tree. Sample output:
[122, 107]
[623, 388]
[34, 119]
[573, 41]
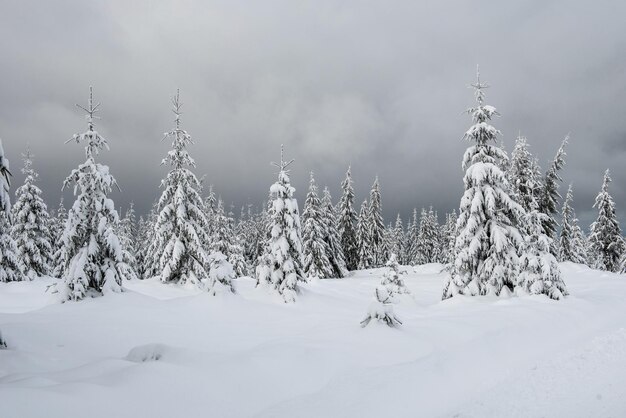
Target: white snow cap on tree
[91, 254]
[31, 225]
[181, 227]
[281, 264]
[381, 309]
[488, 239]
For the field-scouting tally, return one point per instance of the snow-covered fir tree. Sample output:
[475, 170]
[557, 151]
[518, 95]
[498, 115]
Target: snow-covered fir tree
[391, 285]
[605, 238]
[332, 237]
[127, 234]
[363, 238]
[91, 254]
[377, 226]
[488, 240]
[281, 263]
[31, 222]
[150, 263]
[314, 248]
[539, 269]
[411, 239]
[210, 207]
[57, 227]
[571, 240]
[396, 245]
[181, 228]
[522, 174]
[10, 264]
[347, 223]
[448, 239]
[225, 241]
[427, 245]
[548, 200]
[221, 274]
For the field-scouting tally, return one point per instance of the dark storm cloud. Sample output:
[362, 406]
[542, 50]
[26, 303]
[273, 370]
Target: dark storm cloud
[379, 85]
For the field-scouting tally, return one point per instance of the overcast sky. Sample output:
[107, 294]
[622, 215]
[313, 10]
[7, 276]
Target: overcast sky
[381, 85]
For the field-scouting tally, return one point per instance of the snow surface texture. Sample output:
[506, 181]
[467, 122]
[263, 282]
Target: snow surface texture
[162, 350]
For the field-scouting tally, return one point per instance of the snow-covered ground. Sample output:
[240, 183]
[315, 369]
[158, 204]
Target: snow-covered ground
[164, 351]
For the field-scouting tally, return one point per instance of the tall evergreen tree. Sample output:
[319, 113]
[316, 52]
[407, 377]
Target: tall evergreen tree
[397, 240]
[412, 238]
[281, 266]
[606, 241]
[522, 174]
[57, 227]
[571, 241]
[488, 240]
[225, 241]
[363, 238]
[347, 223]
[548, 202]
[31, 225]
[10, 264]
[449, 237]
[332, 237]
[92, 254]
[377, 226]
[314, 248]
[128, 236]
[428, 238]
[181, 228]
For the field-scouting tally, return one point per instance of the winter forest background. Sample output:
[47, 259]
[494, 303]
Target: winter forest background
[316, 228]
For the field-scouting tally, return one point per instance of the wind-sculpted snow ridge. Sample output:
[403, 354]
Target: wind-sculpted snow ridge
[144, 352]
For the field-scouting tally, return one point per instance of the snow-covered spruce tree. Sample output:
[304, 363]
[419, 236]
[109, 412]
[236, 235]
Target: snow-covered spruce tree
[210, 207]
[391, 286]
[488, 240]
[314, 248]
[281, 265]
[397, 240]
[427, 244]
[181, 227]
[57, 227]
[522, 174]
[225, 241]
[221, 274]
[377, 226]
[332, 237]
[91, 255]
[127, 234]
[571, 242]
[449, 237]
[605, 239]
[141, 241]
[548, 200]
[31, 225]
[347, 223]
[411, 239]
[363, 238]
[149, 261]
[10, 265]
[539, 269]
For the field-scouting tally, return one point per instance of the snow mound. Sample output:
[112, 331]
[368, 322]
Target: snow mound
[147, 352]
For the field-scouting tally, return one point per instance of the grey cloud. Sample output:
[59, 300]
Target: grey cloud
[378, 85]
